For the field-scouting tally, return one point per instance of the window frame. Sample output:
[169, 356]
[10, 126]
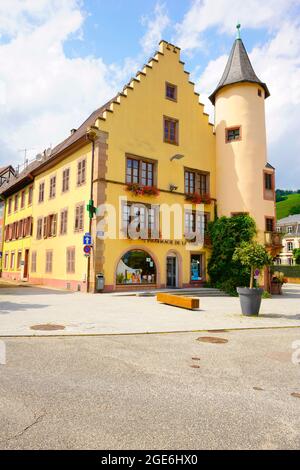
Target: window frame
[176, 122]
[52, 187]
[141, 161]
[80, 228]
[80, 181]
[71, 260]
[30, 195]
[267, 219]
[197, 180]
[33, 261]
[64, 180]
[49, 269]
[41, 185]
[233, 128]
[63, 222]
[171, 85]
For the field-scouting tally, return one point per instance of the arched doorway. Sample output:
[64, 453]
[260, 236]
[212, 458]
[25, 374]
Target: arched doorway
[136, 267]
[172, 271]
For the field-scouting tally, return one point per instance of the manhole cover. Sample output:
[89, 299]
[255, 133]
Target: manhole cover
[295, 395]
[212, 339]
[47, 327]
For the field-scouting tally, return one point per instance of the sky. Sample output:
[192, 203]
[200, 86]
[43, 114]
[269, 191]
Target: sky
[61, 59]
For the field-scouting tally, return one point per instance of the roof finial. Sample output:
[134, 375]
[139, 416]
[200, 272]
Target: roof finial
[238, 27]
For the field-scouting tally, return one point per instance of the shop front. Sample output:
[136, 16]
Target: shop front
[136, 269]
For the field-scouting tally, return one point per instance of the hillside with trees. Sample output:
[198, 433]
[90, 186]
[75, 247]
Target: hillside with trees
[287, 202]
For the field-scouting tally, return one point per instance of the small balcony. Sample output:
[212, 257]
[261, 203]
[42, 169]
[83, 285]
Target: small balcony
[273, 242]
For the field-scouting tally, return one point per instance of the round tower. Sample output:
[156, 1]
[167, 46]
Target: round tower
[241, 150]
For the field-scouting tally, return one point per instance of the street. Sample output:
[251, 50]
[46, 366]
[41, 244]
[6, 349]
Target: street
[232, 390]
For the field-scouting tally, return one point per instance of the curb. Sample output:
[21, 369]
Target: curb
[91, 335]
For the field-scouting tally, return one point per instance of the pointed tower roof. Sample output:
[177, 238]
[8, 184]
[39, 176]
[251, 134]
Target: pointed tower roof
[238, 69]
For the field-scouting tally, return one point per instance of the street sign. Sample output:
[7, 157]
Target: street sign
[256, 273]
[87, 250]
[87, 239]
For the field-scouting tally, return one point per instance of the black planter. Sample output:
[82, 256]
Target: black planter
[250, 300]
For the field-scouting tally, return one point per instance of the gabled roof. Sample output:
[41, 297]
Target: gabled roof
[291, 219]
[238, 70]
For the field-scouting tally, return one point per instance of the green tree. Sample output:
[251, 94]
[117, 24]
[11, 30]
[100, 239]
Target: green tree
[226, 234]
[295, 209]
[296, 253]
[253, 256]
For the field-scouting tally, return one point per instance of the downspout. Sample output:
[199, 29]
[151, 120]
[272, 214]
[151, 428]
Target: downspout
[92, 140]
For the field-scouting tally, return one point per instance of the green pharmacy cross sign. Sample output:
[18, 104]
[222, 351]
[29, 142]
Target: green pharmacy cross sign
[91, 208]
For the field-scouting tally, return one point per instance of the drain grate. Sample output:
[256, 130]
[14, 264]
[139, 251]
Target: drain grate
[212, 339]
[47, 327]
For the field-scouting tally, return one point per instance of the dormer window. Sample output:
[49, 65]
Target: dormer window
[171, 92]
[232, 134]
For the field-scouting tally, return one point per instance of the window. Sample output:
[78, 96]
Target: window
[196, 267]
[268, 181]
[20, 229]
[6, 260]
[12, 260]
[9, 205]
[194, 223]
[139, 171]
[290, 246]
[33, 262]
[290, 229]
[63, 222]
[65, 180]
[136, 267]
[140, 220]
[171, 92]
[79, 218]
[81, 172]
[52, 191]
[39, 229]
[49, 260]
[50, 225]
[171, 130]
[269, 224]
[189, 182]
[41, 192]
[259, 92]
[30, 194]
[70, 260]
[19, 259]
[16, 202]
[196, 182]
[233, 133]
[22, 199]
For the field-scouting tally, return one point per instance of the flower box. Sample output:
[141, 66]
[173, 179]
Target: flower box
[197, 198]
[140, 190]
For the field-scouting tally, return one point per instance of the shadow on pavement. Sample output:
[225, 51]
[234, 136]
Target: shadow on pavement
[8, 307]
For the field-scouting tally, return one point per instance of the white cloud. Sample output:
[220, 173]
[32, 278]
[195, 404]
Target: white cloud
[277, 63]
[44, 93]
[224, 15]
[156, 26]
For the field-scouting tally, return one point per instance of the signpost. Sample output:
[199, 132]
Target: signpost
[87, 239]
[87, 250]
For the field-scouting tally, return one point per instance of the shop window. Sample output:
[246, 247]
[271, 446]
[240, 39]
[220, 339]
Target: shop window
[196, 267]
[136, 267]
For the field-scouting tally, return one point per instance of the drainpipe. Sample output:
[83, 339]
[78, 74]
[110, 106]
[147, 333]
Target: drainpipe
[91, 137]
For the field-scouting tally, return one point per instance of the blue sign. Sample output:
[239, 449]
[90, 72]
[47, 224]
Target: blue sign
[87, 239]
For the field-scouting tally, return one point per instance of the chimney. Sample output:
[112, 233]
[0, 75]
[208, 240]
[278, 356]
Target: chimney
[73, 131]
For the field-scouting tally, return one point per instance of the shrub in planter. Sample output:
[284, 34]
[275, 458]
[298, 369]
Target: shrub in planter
[253, 256]
[277, 281]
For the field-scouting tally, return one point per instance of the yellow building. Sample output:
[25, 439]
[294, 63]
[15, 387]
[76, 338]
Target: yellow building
[149, 151]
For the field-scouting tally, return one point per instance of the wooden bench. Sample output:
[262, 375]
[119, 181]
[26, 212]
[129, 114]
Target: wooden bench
[190, 303]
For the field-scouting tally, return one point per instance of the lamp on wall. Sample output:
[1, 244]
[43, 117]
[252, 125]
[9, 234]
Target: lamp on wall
[178, 156]
[173, 187]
